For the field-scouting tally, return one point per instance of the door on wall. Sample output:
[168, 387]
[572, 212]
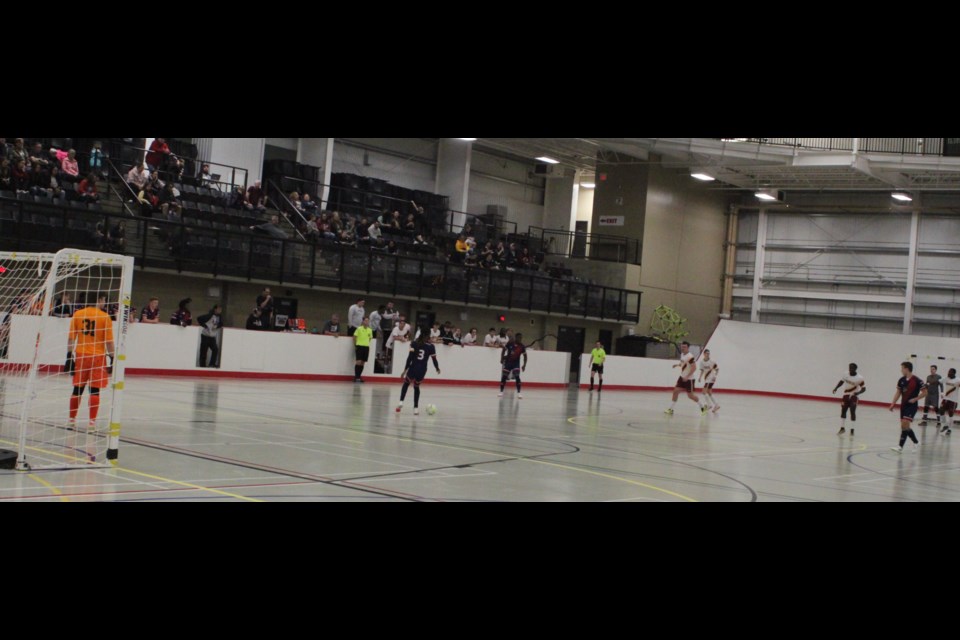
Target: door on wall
[425, 320]
[571, 340]
[580, 240]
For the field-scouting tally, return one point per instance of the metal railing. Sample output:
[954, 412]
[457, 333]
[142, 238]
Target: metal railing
[26, 225]
[901, 146]
[591, 246]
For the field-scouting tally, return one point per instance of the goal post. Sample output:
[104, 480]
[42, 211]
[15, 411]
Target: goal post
[42, 418]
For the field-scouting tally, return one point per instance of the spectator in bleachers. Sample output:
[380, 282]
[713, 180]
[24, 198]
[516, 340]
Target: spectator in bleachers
[169, 204]
[95, 161]
[525, 261]
[307, 204]
[39, 180]
[374, 231]
[326, 229]
[18, 152]
[503, 338]
[392, 247]
[419, 240]
[491, 339]
[470, 260]
[137, 177]
[117, 238]
[348, 239]
[395, 223]
[151, 312]
[99, 235]
[158, 154]
[87, 189]
[336, 224]
[182, 315]
[313, 231]
[53, 157]
[69, 165]
[56, 188]
[410, 226]
[149, 200]
[18, 174]
[455, 338]
[486, 251]
[332, 326]
[363, 231]
[4, 148]
[39, 156]
[238, 200]
[205, 176]
[435, 333]
[470, 338]
[256, 198]
[174, 168]
[461, 245]
[6, 178]
[63, 307]
[271, 228]
[255, 320]
[295, 201]
[500, 255]
[400, 333]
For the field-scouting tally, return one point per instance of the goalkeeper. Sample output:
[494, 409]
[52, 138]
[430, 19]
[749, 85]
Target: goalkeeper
[90, 342]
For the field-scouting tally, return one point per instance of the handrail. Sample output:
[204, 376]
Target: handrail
[222, 252]
[898, 146]
[284, 198]
[123, 179]
[628, 250]
[200, 163]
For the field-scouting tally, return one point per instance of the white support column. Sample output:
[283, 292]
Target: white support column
[911, 271]
[245, 153]
[759, 265]
[453, 173]
[318, 152]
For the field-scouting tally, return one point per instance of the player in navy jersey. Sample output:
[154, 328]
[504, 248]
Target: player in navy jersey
[510, 361]
[416, 368]
[911, 390]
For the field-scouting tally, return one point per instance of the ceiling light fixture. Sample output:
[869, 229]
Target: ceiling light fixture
[548, 160]
[768, 195]
[902, 197]
[467, 139]
[702, 176]
[588, 185]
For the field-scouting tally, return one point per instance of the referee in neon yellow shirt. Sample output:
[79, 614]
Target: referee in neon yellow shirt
[599, 356]
[361, 341]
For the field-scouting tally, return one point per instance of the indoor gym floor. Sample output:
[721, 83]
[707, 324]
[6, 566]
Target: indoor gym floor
[201, 440]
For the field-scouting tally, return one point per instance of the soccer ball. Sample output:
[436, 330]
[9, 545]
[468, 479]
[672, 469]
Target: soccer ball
[431, 409]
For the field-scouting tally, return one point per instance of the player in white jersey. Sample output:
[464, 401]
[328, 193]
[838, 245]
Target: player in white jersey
[708, 376]
[951, 392]
[853, 386]
[688, 370]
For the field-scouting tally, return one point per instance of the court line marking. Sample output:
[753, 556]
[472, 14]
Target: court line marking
[188, 484]
[49, 486]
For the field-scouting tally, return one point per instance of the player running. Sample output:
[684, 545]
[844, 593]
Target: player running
[949, 406]
[688, 369]
[709, 369]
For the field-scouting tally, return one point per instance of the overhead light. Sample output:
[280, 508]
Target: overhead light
[548, 160]
[467, 139]
[588, 185]
[702, 176]
[768, 195]
[902, 197]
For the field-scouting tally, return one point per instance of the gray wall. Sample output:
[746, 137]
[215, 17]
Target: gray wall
[623, 193]
[495, 180]
[683, 238]
[407, 162]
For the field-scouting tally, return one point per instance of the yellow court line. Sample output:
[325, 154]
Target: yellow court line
[188, 484]
[52, 488]
[610, 477]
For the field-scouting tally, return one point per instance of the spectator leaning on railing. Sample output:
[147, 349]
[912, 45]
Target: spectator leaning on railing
[470, 338]
[182, 315]
[210, 324]
[151, 312]
[332, 326]
[255, 320]
[491, 339]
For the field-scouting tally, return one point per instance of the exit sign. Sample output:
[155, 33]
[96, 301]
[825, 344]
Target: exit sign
[611, 221]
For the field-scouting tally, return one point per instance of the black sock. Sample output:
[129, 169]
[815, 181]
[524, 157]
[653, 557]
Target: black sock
[519, 385]
[913, 436]
[403, 391]
[601, 384]
[903, 438]
[416, 397]
[358, 369]
[503, 383]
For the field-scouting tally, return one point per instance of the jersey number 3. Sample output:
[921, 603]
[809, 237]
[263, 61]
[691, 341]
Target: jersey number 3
[421, 354]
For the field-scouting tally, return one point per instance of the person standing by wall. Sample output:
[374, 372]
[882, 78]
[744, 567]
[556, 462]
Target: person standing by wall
[361, 341]
[210, 324]
[355, 316]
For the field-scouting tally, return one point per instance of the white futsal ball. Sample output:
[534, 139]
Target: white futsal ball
[431, 409]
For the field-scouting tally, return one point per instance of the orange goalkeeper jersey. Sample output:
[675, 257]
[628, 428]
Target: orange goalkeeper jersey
[92, 329]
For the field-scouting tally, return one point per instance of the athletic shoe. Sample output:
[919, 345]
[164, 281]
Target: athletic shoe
[841, 432]
[851, 432]
[591, 387]
[399, 407]
[92, 427]
[669, 412]
[897, 449]
[416, 412]
[519, 396]
[71, 424]
[358, 380]
[716, 408]
[948, 432]
[916, 447]
[703, 411]
[500, 395]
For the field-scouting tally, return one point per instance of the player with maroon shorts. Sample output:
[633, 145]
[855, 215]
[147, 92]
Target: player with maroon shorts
[855, 386]
[688, 369]
[951, 389]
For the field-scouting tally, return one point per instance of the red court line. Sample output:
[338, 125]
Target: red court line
[743, 392]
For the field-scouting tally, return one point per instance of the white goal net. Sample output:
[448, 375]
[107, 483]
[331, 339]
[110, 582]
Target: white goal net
[63, 321]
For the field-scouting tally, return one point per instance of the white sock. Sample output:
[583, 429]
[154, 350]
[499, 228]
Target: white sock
[673, 404]
[843, 422]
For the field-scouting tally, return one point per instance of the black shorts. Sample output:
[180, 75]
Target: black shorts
[949, 407]
[931, 402]
[597, 368]
[850, 401]
[708, 385]
[908, 410]
[362, 353]
[686, 385]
